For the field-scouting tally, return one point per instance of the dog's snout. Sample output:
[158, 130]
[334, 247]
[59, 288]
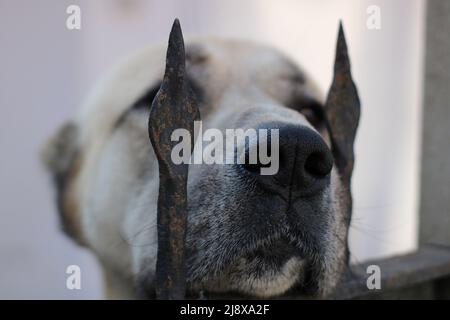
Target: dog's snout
[305, 161]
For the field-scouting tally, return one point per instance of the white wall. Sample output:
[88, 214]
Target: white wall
[39, 88]
[47, 70]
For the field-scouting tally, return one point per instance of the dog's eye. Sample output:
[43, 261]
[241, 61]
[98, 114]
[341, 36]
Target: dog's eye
[142, 104]
[146, 100]
[313, 112]
[313, 115]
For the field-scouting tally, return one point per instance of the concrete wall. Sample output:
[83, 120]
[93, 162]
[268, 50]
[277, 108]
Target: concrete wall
[435, 176]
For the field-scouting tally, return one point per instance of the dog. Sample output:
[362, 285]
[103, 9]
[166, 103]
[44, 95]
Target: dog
[247, 233]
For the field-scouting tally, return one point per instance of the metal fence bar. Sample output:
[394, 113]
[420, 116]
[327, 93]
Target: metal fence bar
[174, 107]
[429, 263]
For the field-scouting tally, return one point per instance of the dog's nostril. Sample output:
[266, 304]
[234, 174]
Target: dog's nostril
[318, 164]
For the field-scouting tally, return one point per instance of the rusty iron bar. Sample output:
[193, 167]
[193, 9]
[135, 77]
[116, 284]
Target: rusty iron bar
[342, 109]
[174, 107]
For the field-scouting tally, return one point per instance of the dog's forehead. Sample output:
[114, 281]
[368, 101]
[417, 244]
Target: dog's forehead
[241, 56]
[242, 62]
[223, 61]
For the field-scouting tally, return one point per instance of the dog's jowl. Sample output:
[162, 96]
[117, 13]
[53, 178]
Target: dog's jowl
[247, 232]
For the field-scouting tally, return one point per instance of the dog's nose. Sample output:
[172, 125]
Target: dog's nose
[305, 161]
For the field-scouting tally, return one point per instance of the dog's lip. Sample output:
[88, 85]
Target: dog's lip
[274, 250]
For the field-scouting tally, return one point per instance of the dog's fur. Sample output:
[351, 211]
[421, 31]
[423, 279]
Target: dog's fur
[240, 237]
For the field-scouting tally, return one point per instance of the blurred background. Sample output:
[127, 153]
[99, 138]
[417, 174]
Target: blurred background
[47, 70]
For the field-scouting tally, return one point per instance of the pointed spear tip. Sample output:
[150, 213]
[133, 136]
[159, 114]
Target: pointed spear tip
[175, 57]
[341, 27]
[341, 60]
[175, 32]
[341, 35]
[176, 24]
